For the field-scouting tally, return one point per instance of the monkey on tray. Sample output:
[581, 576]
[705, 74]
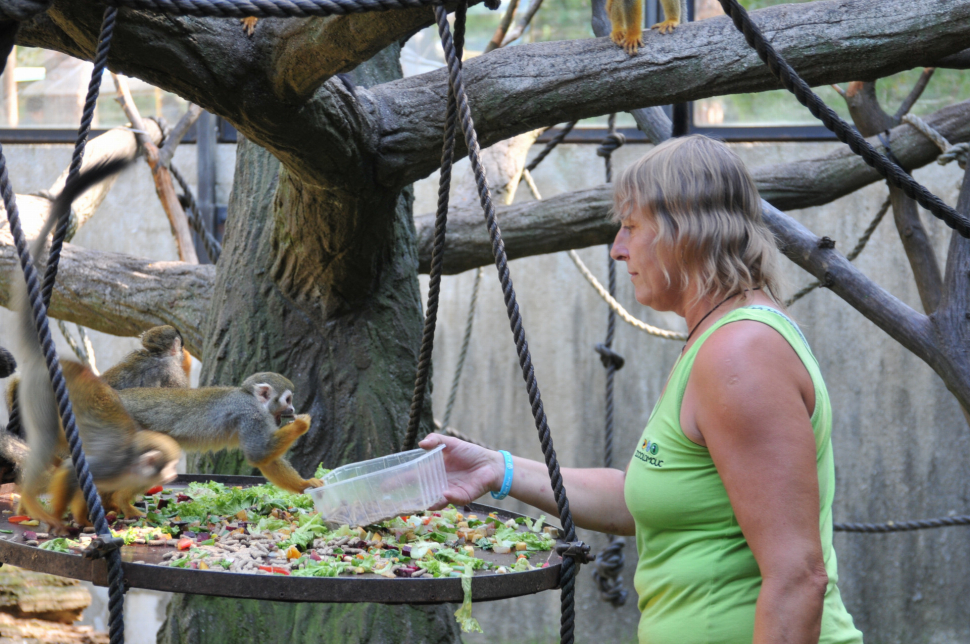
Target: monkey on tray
[247, 417]
[123, 459]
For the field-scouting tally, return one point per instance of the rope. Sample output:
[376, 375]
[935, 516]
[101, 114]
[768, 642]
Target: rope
[859, 246]
[959, 152]
[608, 566]
[574, 553]
[272, 8]
[845, 133]
[87, 117]
[438, 249]
[466, 339]
[551, 145]
[903, 526]
[616, 306]
[95, 509]
[39, 298]
[595, 283]
[212, 246]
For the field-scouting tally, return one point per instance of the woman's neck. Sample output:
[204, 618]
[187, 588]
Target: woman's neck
[694, 313]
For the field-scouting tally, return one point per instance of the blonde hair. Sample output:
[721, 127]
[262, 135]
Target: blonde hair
[707, 212]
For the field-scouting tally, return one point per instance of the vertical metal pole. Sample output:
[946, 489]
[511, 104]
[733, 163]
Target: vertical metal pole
[11, 112]
[205, 149]
[682, 111]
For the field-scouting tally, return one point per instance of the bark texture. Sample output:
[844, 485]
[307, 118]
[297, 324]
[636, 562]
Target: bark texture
[319, 283]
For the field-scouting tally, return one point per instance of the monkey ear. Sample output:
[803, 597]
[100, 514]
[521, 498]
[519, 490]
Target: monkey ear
[263, 392]
[151, 458]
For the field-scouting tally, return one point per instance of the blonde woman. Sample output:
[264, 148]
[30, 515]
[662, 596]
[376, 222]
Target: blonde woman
[729, 489]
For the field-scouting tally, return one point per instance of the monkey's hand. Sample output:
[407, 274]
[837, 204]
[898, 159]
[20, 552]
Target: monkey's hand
[667, 26]
[312, 483]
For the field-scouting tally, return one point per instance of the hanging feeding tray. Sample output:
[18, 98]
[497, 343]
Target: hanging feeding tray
[487, 585]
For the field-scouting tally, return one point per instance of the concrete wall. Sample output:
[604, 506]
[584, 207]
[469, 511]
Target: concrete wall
[899, 436]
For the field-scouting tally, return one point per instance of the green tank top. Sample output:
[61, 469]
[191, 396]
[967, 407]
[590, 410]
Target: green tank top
[696, 577]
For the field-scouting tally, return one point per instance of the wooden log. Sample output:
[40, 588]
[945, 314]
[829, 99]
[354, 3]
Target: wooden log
[28, 594]
[36, 631]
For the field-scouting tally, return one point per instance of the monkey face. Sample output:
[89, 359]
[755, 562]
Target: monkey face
[278, 405]
[154, 468]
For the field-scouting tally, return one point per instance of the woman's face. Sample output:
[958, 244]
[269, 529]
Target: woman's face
[634, 244]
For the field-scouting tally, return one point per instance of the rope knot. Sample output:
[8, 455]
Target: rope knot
[101, 545]
[606, 572]
[577, 550]
[611, 142]
[609, 357]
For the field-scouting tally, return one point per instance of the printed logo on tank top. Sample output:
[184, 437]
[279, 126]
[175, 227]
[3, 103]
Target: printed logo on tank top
[648, 452]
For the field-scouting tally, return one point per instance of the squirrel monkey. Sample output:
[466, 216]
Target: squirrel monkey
[626, 16]
[122, 459]
[161, 362]
[245, 417]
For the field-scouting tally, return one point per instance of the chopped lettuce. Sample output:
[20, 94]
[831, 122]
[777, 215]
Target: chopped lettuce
[325, 568]
[269, 523]
[58, 545]
[435, 568]
[464, 614]
[451, 556]
[311, 526]
[321, 471]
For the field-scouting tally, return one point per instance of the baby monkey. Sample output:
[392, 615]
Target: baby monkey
[626, 17]
[122, 459]
[245, 417]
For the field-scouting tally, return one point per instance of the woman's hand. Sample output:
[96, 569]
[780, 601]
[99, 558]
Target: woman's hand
[472, 470]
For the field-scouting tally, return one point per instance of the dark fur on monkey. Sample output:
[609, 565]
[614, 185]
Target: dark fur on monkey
[161, 362]
[245, 417]
[7, 363]
[122, 459]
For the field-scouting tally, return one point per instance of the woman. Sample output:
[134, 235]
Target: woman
[729, 489]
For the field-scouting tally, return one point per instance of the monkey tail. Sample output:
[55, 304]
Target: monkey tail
[36, 399]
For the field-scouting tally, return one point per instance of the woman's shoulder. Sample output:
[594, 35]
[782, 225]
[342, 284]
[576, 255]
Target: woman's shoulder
[749, 350]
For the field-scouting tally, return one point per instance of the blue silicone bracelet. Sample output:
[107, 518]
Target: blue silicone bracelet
[507, 481]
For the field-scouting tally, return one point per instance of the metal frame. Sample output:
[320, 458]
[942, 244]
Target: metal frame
[27, 135]
[486, 586]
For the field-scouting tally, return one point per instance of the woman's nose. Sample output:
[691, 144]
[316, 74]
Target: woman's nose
[618, 249]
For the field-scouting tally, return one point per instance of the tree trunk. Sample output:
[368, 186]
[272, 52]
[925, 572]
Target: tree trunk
[319, 283]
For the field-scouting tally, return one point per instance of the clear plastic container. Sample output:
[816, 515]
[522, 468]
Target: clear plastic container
[370, 491]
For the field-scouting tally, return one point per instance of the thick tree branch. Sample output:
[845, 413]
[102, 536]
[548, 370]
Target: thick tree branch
[956, 61]
[120, 294]
[579, 219]
[260, 83]
[870, 119]
[515, 90]
[813, 182]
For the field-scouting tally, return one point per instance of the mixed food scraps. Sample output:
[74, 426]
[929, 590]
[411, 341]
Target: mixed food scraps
[264, 530]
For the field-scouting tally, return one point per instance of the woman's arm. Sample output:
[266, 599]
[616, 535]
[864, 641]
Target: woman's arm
[752, 390]
[595, 495]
